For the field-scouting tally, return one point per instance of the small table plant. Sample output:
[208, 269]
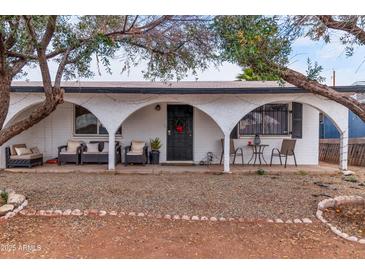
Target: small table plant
[155, 151]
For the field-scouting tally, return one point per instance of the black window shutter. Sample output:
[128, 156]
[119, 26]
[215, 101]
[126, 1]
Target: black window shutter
[297, 120]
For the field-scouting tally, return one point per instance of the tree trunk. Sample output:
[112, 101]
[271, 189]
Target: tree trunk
[5, 86]
[38, 114]
[300, 80]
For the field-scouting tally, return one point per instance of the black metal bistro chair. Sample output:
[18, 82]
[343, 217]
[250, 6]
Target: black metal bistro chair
[287, 149]
[232, 151]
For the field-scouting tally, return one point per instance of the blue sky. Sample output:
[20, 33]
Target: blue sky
[331, 56]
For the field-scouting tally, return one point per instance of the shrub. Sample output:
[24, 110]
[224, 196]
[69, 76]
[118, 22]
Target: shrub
[350, 178]
[302, 172]
[4, 196]
[260, 172]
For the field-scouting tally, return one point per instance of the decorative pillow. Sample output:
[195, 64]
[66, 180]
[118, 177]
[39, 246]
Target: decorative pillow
[137, 147]
[13, 152]
[93, 147]
[106, 147]
[72, 146]
[22, 151]
[101, 146]
[35, 150]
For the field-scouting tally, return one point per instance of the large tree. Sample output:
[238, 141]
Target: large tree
[172, 46]
[263, 44]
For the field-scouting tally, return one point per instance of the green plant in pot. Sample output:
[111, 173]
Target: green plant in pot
[155, 151]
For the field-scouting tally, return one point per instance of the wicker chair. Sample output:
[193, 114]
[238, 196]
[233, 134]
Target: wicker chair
[232, 151]
[65, 156]
[287, 149]
[131, 157]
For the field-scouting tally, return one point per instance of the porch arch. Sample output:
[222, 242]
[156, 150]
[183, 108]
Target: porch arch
[332, 109]
[337, 113]
[24, 110]
[146, 122]
[128, 114]
[23, 107]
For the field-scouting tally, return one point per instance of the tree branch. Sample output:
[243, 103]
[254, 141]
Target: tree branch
[347, 26]
[11, 40]
[21, 55]
[133, 23]
[61, 68]
[300, 80]
[42, 59]
[2, 55]
[125, 22]
[50, 29]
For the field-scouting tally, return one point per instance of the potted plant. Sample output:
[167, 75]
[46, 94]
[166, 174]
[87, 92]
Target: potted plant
[155, 151]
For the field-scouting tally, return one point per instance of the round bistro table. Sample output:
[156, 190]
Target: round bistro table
[257, 153]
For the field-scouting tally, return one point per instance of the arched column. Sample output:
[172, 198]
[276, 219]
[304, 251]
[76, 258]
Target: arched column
[226, 150]
[111, 155]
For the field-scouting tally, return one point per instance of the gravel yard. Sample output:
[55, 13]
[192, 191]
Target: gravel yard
[249, 196]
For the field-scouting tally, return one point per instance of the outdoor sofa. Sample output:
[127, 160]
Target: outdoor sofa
[20, 156]
[98, 152]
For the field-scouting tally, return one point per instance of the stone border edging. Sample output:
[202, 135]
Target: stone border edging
[95, 212]
[15, 211]
[332, 203]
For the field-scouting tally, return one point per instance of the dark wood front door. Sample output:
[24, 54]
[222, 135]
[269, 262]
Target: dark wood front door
[179, 133]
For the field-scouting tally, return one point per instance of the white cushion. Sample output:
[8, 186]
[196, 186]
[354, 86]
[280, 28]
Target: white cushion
[20, 151]
[106, 147]
[93, 147]
[134, 153]
[26, 157]
[12, 151]
[72, 146]
[137, 147]
[67, 152]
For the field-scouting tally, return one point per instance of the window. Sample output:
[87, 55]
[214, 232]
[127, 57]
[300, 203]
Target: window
[270, 119]
[87, 124]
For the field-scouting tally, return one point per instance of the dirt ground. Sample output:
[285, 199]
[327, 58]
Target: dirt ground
[131, 237]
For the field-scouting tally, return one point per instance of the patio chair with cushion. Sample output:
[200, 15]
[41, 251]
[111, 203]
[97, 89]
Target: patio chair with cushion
[287, 149]
[233, 151]
[21, 156]
[136, 153]
[70, 153]
[98, 152]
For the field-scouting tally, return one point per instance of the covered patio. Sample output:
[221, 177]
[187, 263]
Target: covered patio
[139, 111]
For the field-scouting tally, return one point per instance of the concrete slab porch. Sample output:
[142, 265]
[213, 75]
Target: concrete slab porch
[323, 168]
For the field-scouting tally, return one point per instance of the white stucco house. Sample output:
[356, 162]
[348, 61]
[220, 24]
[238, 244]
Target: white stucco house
[126, 111]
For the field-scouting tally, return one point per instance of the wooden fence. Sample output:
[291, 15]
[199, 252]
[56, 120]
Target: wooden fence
[329, 151]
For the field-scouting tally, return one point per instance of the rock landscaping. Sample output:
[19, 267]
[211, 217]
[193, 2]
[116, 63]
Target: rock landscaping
[11, 203]
[345, 216]
[101, 213]
[232, 195]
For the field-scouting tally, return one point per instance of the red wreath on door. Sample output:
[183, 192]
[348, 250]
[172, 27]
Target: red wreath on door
[179, 126]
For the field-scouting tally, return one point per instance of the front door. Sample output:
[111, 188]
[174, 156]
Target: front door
[179, 133]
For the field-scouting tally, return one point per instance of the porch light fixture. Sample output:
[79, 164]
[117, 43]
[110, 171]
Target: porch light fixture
[158, 107]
